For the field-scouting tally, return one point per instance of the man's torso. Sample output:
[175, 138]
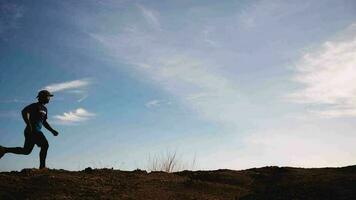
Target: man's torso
[38, 114]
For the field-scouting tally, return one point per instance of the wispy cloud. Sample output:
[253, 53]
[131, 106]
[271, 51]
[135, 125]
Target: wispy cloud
[184, 76]
[205, 90]
[160, 57]
[69, 85]
[77, 87]
[156, 103]
[74, 117]
[81, 93]
[150, 16]
[328, 76]
[257, 13]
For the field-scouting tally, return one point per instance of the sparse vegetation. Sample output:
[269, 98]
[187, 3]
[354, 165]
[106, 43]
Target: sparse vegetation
[169, 162]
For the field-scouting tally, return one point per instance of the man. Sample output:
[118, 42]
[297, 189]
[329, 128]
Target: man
[35, 116]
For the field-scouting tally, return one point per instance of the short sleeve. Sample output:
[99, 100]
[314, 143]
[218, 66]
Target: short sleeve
[28, 108]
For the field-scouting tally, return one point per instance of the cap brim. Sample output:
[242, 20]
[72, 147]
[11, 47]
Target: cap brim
[50, 95]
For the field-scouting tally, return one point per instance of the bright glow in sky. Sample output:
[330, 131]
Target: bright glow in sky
[235, 84]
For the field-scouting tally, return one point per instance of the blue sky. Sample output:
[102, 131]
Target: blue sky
[236, 84]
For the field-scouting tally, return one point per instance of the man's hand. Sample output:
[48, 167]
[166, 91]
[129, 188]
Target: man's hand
[54, 132]
[48, 127]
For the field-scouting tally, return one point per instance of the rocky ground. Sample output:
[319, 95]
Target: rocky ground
[267, 183]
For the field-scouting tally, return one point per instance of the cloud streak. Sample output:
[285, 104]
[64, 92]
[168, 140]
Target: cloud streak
[73, 117]
[157, 103]
[77, 87]
[328, 77]
[69, 85]
[150, 16]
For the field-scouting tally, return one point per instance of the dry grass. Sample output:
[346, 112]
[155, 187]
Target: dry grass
[169, 162]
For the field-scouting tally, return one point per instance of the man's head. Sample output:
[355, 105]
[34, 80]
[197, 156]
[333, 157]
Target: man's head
[44, 96]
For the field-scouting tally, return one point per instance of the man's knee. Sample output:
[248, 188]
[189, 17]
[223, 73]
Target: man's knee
[44, 146]
[26, 151]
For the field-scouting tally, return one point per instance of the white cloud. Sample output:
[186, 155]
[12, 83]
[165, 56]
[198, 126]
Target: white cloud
[73, 117]
[77, 87]
[201, 88]
[150, 16]
[179, 71]
[69, 85]
[328, 76]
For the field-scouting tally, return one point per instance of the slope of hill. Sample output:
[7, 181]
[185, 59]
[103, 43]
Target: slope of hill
[274, 183]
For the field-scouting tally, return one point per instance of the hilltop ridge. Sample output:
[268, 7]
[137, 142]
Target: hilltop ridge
[256, 183]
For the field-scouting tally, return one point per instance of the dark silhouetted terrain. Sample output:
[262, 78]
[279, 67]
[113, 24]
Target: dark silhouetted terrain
[274, 183]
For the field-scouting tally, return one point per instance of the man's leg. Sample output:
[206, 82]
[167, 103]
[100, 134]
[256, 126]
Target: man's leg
[43, 155]
[25, 150]
[42, 142]
[19, 150]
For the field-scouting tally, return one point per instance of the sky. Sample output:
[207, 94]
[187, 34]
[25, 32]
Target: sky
[226, 84]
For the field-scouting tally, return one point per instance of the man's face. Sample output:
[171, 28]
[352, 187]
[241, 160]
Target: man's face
[45, 99]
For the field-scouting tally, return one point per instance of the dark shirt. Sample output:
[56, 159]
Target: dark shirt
[38, 114]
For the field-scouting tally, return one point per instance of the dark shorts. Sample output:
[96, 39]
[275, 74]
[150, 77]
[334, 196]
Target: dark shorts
[35, 137]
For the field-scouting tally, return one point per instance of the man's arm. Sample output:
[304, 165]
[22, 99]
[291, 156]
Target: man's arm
[26, 117]
[48, 127]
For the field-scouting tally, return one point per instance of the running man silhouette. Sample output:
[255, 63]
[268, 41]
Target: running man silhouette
[35, 116]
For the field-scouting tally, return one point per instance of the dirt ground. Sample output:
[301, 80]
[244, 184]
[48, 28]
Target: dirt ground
[267, 183]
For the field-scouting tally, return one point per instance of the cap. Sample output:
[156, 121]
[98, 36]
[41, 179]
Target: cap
[44, 93]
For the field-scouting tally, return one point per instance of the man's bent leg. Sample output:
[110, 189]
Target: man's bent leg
[18, 150]
[25, 150]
